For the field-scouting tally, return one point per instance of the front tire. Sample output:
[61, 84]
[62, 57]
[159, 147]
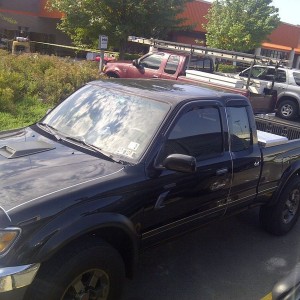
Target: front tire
[280, 218]
[288, 110]
[91, 271]
[112, 75]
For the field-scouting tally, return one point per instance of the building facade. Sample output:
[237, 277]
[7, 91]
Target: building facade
[283, 42]
[30, 18]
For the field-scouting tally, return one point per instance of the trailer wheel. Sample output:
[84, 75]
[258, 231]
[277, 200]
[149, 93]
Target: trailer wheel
[84, 271]
[288, 110]
[280, 218]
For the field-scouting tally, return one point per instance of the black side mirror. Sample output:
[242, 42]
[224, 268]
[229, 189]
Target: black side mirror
[180, 163]
[135, 62]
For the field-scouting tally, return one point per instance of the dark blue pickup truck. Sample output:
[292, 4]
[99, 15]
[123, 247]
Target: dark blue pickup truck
[123, 164]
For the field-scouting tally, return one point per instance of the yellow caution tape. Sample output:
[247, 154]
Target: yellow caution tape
[74, 48]
[267, 297]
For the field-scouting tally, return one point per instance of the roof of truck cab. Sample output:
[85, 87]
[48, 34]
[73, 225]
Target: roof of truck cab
[170, 91]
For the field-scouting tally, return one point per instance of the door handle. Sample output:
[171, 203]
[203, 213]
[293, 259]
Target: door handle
[161, 199]
[222, 171]
[155, 76]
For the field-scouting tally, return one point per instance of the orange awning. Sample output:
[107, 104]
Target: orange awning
[275, 47]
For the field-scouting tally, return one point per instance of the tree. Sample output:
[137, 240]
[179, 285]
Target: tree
[240, 25]
[84, 20]
[8, 19]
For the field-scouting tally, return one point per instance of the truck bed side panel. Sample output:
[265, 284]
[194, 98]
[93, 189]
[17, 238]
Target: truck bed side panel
[276, 161]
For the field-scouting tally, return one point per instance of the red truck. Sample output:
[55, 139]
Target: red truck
[174, 65]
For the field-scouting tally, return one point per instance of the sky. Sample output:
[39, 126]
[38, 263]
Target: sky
[289, 10]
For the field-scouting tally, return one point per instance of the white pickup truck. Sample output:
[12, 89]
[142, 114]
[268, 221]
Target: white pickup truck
[286, 83]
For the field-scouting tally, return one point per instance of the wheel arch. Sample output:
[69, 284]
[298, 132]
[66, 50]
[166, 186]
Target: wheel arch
[289, 173]
[112, 74]
[114, 229]
[288, 97]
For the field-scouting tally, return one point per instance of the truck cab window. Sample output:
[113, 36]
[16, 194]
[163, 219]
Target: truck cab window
[153, 61]
[172, 64]
[239, 129]
[197, 133]
[199, 63]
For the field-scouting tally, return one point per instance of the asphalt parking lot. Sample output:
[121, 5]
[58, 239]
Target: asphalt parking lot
[229, 260]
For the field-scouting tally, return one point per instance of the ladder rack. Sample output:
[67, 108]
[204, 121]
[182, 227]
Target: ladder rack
[200, 50]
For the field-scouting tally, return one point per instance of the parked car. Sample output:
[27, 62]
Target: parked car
[121, 165]
[287, 85]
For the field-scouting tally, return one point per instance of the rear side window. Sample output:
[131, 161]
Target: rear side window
[199, 63]
[172, 64]
[153, 61]
[281, 76]
[297, 77]
[239, 128]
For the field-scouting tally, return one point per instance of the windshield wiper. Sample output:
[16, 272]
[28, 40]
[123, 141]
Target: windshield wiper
[90, 146]
[51, 130]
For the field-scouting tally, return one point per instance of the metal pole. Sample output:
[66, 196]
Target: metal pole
[101, 62]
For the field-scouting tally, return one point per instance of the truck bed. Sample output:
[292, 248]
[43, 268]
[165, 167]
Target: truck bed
[272, 124]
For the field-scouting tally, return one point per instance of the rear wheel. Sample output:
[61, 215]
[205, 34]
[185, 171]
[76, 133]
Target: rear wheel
[89, 271]
[288, 110]
[281, 217]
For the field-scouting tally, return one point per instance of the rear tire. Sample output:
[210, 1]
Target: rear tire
[89, 270]
[288, 110]
[280, 218]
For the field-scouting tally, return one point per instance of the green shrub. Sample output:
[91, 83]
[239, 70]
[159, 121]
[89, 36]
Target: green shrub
[129, 56]
[31, 83]
[227, 68]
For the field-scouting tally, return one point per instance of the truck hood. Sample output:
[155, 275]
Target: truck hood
[32, 166]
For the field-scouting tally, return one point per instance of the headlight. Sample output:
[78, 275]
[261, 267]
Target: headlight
[7, 238]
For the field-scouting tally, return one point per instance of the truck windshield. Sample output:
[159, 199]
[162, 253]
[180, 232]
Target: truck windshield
[118, 124]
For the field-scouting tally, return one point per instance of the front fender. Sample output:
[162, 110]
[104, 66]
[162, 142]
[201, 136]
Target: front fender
[67, 229]
[114, 70]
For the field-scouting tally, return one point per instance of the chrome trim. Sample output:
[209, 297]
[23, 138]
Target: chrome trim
[12, 278]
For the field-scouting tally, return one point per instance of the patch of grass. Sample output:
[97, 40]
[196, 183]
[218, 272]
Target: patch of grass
[26, 113]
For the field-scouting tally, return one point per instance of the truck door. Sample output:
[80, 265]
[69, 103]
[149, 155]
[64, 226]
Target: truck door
[246, 155]
[149, 66]
[179, 201]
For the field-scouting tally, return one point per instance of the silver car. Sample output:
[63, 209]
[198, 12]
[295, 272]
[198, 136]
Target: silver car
[286, 83]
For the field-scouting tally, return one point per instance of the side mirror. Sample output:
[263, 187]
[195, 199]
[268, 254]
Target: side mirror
[136, 63]
[243, 74]
[180, 163]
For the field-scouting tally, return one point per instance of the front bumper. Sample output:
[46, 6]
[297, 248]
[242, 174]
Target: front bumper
[14, 280]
